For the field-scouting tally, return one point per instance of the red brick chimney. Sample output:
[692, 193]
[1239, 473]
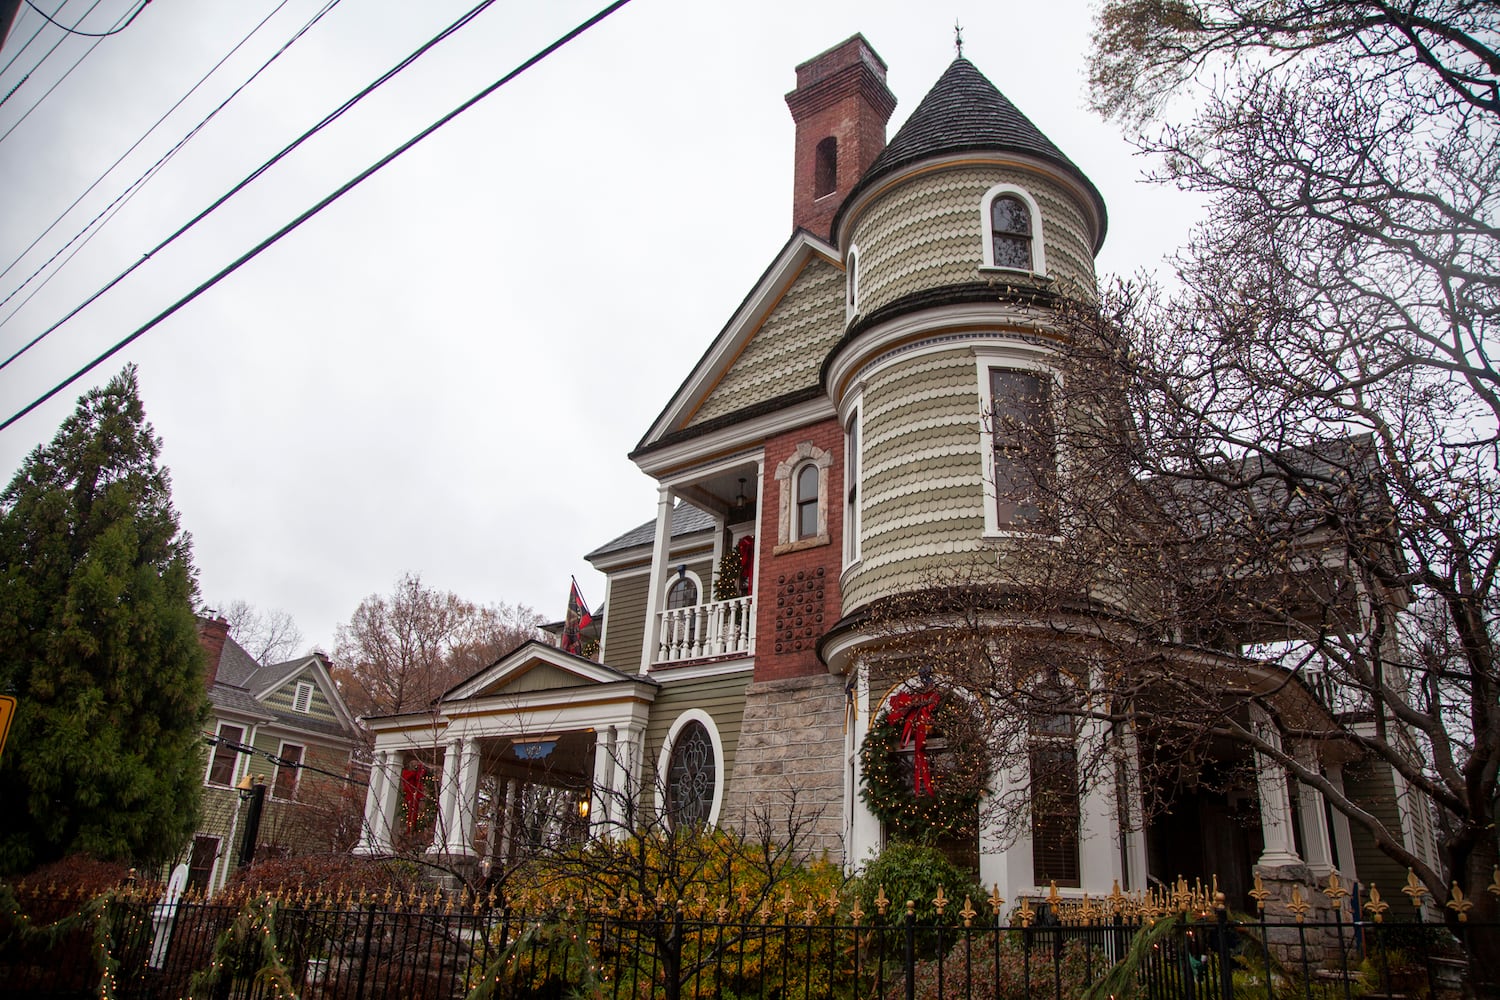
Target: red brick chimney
[212, 634]
[841, 106]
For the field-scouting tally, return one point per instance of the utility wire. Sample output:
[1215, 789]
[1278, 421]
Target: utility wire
[45, 55]
[88, 34]
[139, 182]
[327, 120]
[58, 83]
[219, 741]
[39, 28]
[342, 190]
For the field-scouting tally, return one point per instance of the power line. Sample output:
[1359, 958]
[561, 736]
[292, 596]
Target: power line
[219, 741]
[88, 34]
[327, 120]
[58, 83]
[17, 54]
[140, 181]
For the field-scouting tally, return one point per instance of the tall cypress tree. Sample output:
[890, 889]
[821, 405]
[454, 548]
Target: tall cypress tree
[98, 643]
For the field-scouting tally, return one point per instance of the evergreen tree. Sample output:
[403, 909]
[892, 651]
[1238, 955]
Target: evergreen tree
[98, 644]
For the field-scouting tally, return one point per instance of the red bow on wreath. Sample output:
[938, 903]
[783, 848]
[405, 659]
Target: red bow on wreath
[747, 564]
[913, 709]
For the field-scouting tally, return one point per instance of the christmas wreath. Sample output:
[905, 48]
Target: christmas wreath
[925, 766]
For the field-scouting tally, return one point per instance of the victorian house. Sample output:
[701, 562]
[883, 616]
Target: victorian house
[831, 448]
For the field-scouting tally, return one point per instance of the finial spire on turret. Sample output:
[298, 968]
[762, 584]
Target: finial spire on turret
[958, 38]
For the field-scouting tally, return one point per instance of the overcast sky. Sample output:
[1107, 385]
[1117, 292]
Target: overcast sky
[444, 371]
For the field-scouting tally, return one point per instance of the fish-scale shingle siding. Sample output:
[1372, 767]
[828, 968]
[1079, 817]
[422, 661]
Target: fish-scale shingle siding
[928, 233]
[785, 354]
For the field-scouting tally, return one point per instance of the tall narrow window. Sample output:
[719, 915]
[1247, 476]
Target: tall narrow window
[807, 501]
[851, 481]
[851, 284]
[303, 700]
[691, 777]
[287, 772]
[1054, 788]
[1024, 446]
[1010, 231]
[826, 167]
[221, 769]
[201, 863]
[683, 594]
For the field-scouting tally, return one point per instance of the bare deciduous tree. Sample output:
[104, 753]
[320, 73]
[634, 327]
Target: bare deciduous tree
[269, 636]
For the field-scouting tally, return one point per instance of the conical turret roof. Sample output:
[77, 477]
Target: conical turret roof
[965, 111]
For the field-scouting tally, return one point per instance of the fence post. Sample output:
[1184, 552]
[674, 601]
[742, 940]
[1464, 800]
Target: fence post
[364, 957]
[1226, 964]
[911, 950]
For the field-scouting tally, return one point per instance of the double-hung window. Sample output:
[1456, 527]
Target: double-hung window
[1024, 448]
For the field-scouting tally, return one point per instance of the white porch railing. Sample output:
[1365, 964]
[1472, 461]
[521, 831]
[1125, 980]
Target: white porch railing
[719, 628]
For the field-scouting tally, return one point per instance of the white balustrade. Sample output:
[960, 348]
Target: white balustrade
[719, 628]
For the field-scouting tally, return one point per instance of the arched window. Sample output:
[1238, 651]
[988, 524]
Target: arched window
[851, 284]
[1012, 230]
[689, 775]
[826, 167]
[682, 594]
[807, 501]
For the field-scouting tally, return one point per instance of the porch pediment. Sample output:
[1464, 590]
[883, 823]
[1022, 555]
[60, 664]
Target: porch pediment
[531, 668]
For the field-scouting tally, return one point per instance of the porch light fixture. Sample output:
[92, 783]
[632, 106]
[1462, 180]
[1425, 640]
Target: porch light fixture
[583, 808]
[740, 499]
[533, 749]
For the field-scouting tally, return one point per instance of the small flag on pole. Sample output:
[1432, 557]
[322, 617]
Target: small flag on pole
[577, 620]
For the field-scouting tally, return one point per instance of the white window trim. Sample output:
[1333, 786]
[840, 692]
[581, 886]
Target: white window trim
[1038, 244]
[984, 362]
[851, 290]
[296, 771]
[852, 517]
[671, 581]
[297, 699]
[786, 475]
[240, 760]
[664, 761]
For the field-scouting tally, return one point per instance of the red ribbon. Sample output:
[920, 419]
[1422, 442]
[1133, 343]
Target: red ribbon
[413, 790]
[913, 709]
[746, 549]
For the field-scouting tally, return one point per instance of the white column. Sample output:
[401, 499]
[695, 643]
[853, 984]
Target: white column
[660, 554]
[465, 796]
[380, 807]
[760, 506]
[1133, 810]
[447, 795]
[864, 827]
[508, 822]
[1310, 810]
[1098, 821]
[600, 795]
[1342, 840]
[625, 798]
[1275, 803]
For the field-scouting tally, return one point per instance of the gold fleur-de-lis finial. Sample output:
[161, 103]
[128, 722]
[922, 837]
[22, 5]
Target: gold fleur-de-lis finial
[1260, 894]
[996, 900]
[1458, 904]
[882, 902]
[968, 912]
[810, 914]
[1298, 905]
[1116, 897]
[1414, 888]
[857, 914]
[1376, 905]
[940, 901]
[1053, 896]
[1494, 885]
[1026, 914]
[832, 902]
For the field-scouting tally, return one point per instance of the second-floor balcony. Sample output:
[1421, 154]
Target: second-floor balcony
[704, 631]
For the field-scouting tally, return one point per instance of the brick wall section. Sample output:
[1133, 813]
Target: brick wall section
[799, 591]
[790, 755]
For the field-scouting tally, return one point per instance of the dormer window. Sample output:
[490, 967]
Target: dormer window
[1012, 230]
[826, 167]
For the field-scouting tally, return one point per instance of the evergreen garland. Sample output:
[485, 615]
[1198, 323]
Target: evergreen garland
[960, 775]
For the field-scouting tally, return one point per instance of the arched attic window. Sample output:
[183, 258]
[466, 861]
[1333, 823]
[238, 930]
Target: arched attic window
[826, 167]
[1012, 230]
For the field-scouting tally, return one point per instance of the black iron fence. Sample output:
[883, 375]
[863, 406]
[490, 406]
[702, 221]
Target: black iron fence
[131, 945]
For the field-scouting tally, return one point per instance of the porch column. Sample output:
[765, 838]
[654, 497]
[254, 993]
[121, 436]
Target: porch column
[601, 796]
[660, 553]
[447, 795]
[465, 794]
[508, 822]
[863, 837]
[760, 501]
[1310, 810]
[1343, 844]
[625, 799]
[1275, 803]
[380, 806]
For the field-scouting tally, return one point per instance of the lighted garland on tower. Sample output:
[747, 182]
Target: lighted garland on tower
[922, 794]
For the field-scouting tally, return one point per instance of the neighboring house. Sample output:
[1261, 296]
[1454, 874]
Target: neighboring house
[831, 449]
[291, 712]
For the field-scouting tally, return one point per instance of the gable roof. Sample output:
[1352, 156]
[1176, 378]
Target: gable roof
[568, 670]
[241, 686]
[686, 519]
[963, 112]
[757, 305]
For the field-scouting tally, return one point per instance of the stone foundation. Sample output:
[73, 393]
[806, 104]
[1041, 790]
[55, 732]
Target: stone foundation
[791, 757]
